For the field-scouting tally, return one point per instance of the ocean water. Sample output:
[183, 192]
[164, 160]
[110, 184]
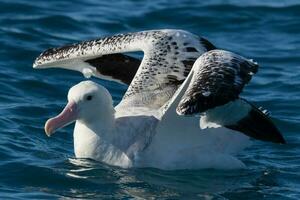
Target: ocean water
[33, 166]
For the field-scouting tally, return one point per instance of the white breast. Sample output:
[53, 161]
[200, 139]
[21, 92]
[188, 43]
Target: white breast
[88, 144]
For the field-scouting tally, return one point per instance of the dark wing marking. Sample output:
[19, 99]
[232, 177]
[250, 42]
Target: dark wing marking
[207, 44]
[258, 125]
[240, 115]
[117, 66]
[168, 58]
[219, 77]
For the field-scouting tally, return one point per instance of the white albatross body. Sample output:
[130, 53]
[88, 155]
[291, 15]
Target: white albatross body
[142, 138]
[180, 75]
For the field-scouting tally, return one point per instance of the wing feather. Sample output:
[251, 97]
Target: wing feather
[168, 58]
[219, 78]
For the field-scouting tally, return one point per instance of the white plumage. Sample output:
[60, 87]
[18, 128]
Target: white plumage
[141, 137]
[144, 129]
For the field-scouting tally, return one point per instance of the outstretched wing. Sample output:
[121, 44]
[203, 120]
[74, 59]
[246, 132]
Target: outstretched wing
[212, 90]
[168, 58]
[219, 78]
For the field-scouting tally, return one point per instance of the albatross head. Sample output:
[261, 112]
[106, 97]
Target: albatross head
[88, 102]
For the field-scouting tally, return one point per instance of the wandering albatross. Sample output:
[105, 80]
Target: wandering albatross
[182, 108]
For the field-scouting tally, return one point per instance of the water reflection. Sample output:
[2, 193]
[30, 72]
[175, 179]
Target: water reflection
[155, 183]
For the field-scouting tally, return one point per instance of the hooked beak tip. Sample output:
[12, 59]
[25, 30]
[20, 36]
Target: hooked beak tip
[48, 129]
[48, 134]
[67, 116]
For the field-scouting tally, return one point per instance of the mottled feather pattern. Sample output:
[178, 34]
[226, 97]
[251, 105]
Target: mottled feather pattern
[210, 78]
[166, 65]
[168, 58]
[219, 78]
[92, 48]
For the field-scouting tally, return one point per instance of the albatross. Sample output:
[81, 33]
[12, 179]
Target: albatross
[181, 110]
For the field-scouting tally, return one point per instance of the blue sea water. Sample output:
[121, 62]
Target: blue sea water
[33, 166]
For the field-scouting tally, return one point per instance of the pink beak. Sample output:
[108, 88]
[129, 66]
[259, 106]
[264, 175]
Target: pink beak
[67, 116]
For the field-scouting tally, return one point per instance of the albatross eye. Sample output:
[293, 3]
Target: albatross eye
[89, 97]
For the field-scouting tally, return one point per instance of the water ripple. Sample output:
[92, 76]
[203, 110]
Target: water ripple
[34, 166]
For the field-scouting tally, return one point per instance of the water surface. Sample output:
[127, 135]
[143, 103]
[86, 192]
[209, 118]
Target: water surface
[34, 166]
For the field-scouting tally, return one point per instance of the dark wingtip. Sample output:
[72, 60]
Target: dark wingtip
[207, 44]
[259, 126]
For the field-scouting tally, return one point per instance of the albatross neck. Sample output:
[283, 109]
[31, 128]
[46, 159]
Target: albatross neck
[103, 124]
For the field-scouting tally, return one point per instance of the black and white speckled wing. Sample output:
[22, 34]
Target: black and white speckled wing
[216, 80]
[168, 58]
[219, 77]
